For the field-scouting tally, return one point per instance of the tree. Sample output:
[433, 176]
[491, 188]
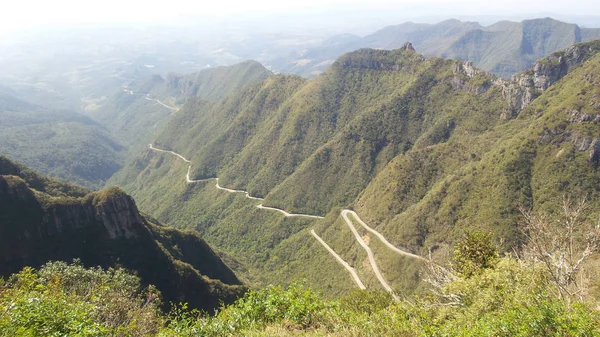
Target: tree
[474, 252]
[563, 245]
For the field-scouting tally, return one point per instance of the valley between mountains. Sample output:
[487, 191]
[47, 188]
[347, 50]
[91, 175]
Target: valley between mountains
[423, 149]
[153, 183]
[344, 214]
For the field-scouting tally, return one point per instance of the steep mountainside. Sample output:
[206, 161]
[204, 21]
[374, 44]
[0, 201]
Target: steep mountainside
[286, 138]
[139, 111]
[42, 219]
[423, 149]
[62, 144]
[504, 48]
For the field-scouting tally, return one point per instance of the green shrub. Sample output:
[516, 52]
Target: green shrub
[474, 252]
[297, 306]
[70, 300]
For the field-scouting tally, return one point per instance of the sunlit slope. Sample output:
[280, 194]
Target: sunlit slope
[138, 112]
[549, 151]
[424, 150]
[321, 141]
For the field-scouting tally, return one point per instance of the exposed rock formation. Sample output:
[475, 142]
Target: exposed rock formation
[408, 46]
[581, 117]
[180, 83]
[581, 142]
[56, 221]
[523, 88]
[463, 71]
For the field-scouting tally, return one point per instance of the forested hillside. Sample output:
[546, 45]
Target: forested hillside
[43, 219]
[423, 149]
[138, 112]
[89, 149]
[342, 186]
[59, 143]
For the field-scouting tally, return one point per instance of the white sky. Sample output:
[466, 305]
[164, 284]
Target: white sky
[27, 13]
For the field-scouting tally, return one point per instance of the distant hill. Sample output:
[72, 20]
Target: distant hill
[88, 149]
[59, 143]
[504, 48]
[134, 115]
[422, 148]
[42, 219]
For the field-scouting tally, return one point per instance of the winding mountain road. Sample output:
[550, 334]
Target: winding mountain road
[171, 152]
[237, 191]
[190, 181]
[161, 103]
[290, 214]
[151, 99]
[340, 260]
[344, 215]
[382, 238]
[366, 247]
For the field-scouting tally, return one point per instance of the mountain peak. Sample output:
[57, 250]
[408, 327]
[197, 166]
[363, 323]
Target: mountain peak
[379, 59]
[408, 46]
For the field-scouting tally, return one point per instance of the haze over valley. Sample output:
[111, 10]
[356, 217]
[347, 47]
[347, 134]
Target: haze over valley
[319, 169]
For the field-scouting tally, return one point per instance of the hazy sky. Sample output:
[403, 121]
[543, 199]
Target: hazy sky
[27, 13]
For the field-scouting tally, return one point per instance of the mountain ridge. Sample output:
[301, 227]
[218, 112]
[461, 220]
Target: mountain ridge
[504, 48]
[64, 222]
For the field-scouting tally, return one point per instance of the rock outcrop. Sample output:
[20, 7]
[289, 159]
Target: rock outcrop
[523, 88]
[581, 143]
[182, 84]
[42, 220]
[114, 216]
[463, 72]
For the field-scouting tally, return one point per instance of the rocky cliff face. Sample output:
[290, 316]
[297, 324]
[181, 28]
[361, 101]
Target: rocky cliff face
[115, 216]
[118, 214]
[523, 88]
[463, 72]
[182, 84]
[581, 142]
[31, 222]
[54, 222]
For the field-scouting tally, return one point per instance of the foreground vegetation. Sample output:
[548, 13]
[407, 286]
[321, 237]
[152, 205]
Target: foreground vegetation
[479, 294]
[487, 296]
[43, 219]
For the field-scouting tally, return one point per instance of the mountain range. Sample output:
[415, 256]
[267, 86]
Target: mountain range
[424, 149]
[134, 114]
[503, 48]
[60, 143]
[113, 106]
[260, 164]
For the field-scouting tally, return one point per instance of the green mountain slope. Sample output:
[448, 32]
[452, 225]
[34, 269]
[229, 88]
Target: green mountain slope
[292, 135]
[514, 47]
[549, 151]
[423, 149]
[141, 110]
[42, 219]
[504, 48]
[62, 144]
